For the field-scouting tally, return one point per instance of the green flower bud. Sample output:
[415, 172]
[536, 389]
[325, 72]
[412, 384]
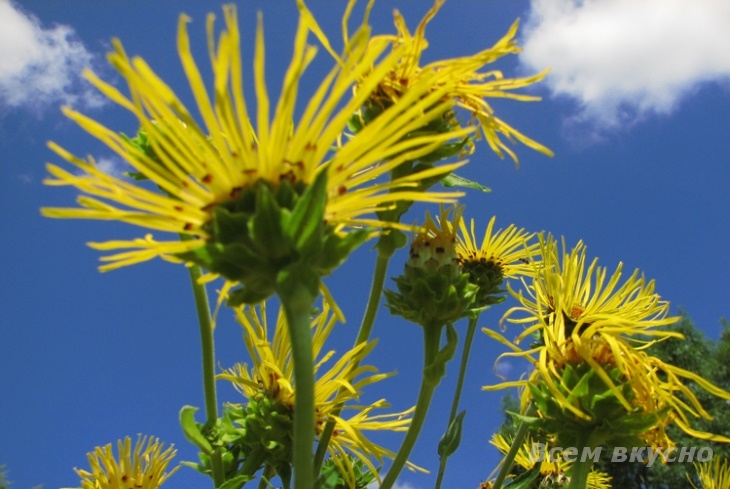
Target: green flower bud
[432, 288]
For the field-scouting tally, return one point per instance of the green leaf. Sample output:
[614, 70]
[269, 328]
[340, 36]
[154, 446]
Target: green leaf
[328, 479]
[453, 180]
[437, 369]
[191, 429]
[452, 438]
[525, 480]
[236, 482]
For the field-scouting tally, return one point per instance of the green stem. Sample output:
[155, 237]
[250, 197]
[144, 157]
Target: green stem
[208, 350]
[366, 327]
[581, 467]
[425, 394]
[297, 303]
[206, 343]
[269, 472]
[457, 394]
[509, 459]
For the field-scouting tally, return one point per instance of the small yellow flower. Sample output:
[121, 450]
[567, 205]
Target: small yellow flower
[712, 475]
[582, 316]
[465, 84]
[272, 376]
[143, 468]
[503, 254]
[551, 470]
[201, 169]
[507, 251]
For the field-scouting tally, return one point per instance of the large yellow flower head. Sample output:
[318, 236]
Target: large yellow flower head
[464, 80]
[588, 323]
[553, 471]
[270, 380]
[141, 468]
[215, 176]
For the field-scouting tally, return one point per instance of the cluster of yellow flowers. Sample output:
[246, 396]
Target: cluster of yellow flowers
[272, 203]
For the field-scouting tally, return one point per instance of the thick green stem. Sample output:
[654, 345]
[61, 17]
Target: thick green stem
[457, 394]
[509, 459]
[297, 303]
[582, 466]
[208, 350]
[363, 335]
[428, 386]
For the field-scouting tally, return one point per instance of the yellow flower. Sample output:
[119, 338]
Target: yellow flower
[503, 254]
[465, 85]
[223, 163]
[552, 470]
[272, 377]
[582, 316]
[143, 468]
[712, 475]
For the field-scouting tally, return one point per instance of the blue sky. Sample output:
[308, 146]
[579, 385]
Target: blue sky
[636, 109]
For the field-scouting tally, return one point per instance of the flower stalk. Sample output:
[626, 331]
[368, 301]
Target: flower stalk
[363, 335]
[207, 345]
[509, 460]
[582, 466]
[434, 360]
[468, 339]
[297, 299]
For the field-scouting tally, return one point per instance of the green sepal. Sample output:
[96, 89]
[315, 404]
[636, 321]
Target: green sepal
[192, 429]
[435, 296]
[336, 248]
[450, 441]
[453, 180]
[306, 226]
[610, 424]
[267, 227]
[525, 480]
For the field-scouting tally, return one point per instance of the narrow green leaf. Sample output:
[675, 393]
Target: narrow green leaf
[191, 429]
[525, 480]
[453, 180]
[452, 438]
[236, 482]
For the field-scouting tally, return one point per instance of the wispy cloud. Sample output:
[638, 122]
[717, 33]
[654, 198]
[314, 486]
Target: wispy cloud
[38, 65]
[621, 60]
[504, 368]
[113, 166]
[397, 485]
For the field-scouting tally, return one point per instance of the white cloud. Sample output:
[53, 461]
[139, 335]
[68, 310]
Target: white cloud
[40, 66]
[397, 485]
[624, 59]
[504, 368]
[113, 166]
